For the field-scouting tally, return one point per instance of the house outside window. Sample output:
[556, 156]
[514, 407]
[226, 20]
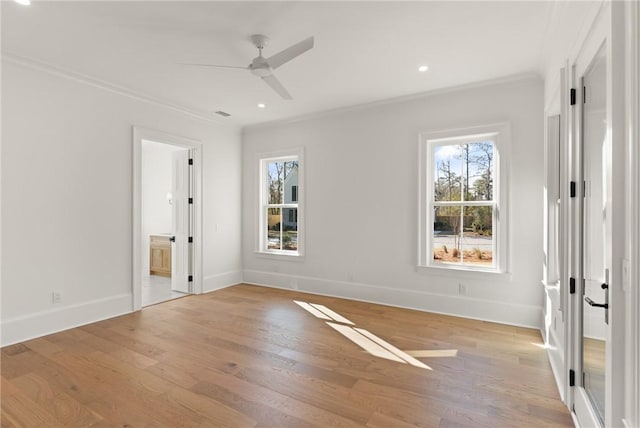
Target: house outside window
[463, 199]
[279, 229]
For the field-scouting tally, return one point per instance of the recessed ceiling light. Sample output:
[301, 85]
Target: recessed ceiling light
[23, 2]
[261, 105]
[423, 68]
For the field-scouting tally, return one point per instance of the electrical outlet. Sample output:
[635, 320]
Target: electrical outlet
[294, 284]
[462, 289]
[56, 297]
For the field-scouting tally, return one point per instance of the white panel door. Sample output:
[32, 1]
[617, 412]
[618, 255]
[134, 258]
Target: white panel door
[594, 311]
[180, 257]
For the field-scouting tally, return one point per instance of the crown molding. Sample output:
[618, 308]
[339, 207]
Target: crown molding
[106, 86]
[396, 100]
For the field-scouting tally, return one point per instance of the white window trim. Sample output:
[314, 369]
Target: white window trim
[500, 134]
[260, 234]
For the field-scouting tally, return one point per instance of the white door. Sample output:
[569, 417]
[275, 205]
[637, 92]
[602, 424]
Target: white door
[592, 297]
[180, 222]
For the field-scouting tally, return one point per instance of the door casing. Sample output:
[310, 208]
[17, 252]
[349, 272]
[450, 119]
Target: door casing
[139, 135]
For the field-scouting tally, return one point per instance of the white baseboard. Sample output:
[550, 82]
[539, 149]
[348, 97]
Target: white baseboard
[555, 353]
[462, 306]
[28, 327]
[19, 329]
[221, 280]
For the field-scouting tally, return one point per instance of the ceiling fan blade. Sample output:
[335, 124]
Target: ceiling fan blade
[277, 86]
[214, 65]
[290, 53]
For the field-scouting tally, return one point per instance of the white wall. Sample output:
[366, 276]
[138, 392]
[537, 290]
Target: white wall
[361, 203]
[67, 198]
[568, 26]
[156, 183]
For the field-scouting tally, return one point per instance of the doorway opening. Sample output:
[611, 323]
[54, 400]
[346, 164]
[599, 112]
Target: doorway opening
[167, 220]
[165, 193]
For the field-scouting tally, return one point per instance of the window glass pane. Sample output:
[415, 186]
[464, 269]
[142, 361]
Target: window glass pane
[290, 229]
[280, 187]
[275, 177]
[274, 237]
[446, 235]
[461, 209]
[447, 172]
[477, 159]
[290, 171]
[477, 238]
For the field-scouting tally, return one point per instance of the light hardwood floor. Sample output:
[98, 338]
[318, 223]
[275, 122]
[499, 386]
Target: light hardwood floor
[250, 356]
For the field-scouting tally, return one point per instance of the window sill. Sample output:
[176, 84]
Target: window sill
[279, 256]
[462, 272]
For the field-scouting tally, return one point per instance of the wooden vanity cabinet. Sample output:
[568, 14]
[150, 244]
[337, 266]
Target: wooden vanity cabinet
[160, 255]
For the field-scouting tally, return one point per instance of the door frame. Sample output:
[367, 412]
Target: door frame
[141, 134]
[582, 407]
[632, 410]
[606, 28]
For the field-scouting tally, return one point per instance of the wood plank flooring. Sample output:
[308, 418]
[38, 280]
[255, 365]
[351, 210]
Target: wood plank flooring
[248, 356]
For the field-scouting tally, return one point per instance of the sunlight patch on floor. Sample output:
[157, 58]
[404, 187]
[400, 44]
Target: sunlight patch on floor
[313, 311]
[366, 344]
[433, 353]
[543, 345]
[406, 357]
[371, 343]
[334, 315]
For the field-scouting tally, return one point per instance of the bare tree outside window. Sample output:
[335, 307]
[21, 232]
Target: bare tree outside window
[463, 203]
[281, 208]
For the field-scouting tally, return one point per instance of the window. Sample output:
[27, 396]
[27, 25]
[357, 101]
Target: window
[463, 192]
[279, 229]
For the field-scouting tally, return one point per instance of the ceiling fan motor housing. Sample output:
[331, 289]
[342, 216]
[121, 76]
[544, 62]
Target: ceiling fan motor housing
[260, 67]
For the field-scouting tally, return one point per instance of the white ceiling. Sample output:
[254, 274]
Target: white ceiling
[364, 51]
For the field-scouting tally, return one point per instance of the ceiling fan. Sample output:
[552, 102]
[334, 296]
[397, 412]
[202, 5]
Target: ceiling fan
[263, 67]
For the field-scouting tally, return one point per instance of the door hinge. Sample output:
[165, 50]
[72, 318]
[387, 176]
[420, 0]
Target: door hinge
[190, 200]
[572, 96]
[190, 161]
[190, 278]
[572, 286]
[584, 95]
[172, 239]
[572, 377]
[572, 189]
[190, 239]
